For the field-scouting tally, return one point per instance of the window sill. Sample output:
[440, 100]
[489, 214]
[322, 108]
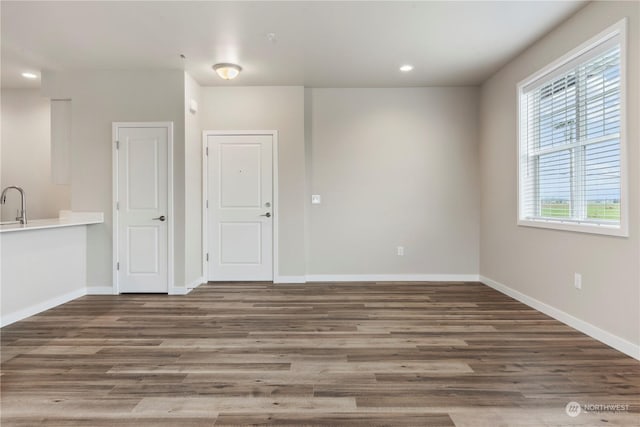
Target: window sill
[608, 230]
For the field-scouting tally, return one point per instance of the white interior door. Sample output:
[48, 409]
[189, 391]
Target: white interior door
[143, 201]
[240, 213]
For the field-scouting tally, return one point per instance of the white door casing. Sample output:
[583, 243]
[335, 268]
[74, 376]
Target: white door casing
[240, 217]
[143, 211]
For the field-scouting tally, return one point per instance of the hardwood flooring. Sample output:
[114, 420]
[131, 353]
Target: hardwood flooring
[366, 354]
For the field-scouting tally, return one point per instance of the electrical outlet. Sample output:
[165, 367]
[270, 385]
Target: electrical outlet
[400, 250]
[577, 280]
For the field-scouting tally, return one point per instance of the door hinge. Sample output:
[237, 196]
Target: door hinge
[117, 266]
[207, 257]
[117, 206]
[207, 151]
[207, 202]
[117, 145]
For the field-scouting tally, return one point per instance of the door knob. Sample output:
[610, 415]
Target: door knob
[268, 215]
[160, 218]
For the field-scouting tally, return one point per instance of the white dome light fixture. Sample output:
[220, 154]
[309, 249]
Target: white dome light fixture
[227, 71]
[28, 75]
[406, 68]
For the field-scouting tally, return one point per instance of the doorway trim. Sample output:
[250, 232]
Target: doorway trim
[205, 194]
[116, 126]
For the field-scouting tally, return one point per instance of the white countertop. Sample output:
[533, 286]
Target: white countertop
[66, 219]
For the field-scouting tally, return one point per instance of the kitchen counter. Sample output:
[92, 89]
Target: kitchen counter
[43, 263]
[66, 219]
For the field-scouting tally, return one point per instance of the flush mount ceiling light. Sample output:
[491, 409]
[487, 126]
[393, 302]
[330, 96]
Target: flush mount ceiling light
[28, 75]
[227, 71]
[406, 68]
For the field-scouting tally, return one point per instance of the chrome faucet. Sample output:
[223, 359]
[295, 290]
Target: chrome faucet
[22, 217]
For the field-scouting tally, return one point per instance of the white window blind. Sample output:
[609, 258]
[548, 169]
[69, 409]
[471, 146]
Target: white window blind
[570, 141]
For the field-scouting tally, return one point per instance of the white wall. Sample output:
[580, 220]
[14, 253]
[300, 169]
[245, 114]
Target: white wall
[26, 155]
[193, 182]
[271, 108]
[379, 157]
[100, 98]
[394, 167]
[541, 263]
[370, 153]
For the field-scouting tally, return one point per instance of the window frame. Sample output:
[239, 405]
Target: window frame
[617, 30]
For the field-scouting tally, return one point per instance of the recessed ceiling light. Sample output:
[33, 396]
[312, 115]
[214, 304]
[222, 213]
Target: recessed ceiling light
[406, 68]
[29, 76]
[227, 71]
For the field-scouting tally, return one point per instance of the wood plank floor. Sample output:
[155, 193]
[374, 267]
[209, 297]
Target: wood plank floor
[367, 354]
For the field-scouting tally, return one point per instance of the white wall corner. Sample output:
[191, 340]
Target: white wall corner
[618, 343]
[10, 318]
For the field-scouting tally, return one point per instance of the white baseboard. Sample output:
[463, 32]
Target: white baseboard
[100, 290]
[290, 279]
[174, 290]
[108, 290]
[199, 281]
[40, 307]
[620, 344]
[392, 278]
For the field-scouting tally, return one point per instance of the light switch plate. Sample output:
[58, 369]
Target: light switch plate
[316, 199]
[193, 106]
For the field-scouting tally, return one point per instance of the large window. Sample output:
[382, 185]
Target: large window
[572, 150]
